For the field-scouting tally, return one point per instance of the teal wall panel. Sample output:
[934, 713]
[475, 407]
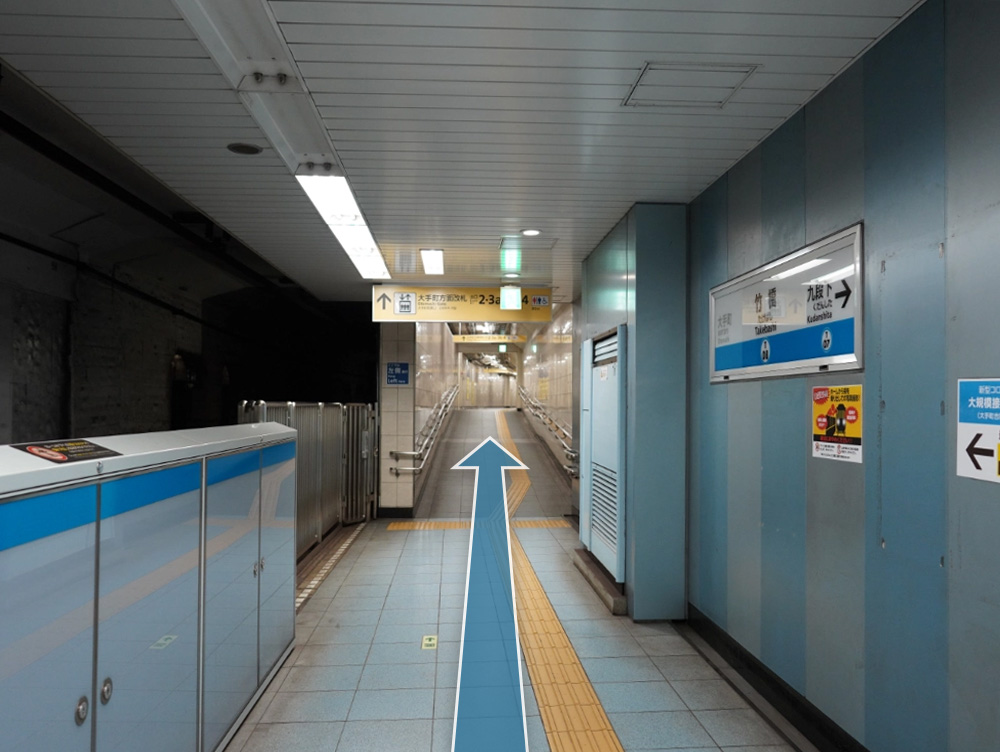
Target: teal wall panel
[906, 624]
[708, 474]
[656, 576]
[973, 268]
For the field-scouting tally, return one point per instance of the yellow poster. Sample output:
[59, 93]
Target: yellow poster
[836, 422]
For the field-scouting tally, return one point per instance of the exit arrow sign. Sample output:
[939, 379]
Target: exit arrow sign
[489, 707]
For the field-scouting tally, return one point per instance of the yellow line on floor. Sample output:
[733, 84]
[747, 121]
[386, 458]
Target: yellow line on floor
[464, 524]
[572, 714]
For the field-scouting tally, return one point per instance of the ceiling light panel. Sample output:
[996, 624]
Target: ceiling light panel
[433, 260]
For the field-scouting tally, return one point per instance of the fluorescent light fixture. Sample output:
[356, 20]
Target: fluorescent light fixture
[502, 348]
[512, 275]
[534, 348]
[433, 259]
[836, 276]
[332, 197]
[797, 269]
[510, 298]
[510, 259]
[531, 233]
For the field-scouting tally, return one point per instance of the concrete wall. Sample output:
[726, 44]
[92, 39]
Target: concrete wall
[637, 277]
[871, 589]
[436, 368]
[547, 365]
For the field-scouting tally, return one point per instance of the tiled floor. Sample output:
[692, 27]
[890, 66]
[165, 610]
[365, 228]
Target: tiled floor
[359, 680]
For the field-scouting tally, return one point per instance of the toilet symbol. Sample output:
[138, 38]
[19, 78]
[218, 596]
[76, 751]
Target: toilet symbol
[827, 339]
[765, 351]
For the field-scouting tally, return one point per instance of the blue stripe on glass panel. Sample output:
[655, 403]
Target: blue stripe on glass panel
[39, 517]
[126, 494]
[233, 466]
[279, 453]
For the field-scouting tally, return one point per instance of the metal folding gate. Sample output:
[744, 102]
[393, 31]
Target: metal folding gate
[335, 463]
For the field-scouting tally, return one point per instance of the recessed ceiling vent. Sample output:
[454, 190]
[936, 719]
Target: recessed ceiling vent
[702, 85]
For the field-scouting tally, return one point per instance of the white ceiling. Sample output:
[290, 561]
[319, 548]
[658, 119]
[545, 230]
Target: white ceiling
[456, 123]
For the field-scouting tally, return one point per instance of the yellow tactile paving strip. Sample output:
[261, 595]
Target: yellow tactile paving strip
[464, 524]
[572, 715]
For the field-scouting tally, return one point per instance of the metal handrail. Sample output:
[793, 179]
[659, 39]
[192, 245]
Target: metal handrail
[429, 433]
[537, 409]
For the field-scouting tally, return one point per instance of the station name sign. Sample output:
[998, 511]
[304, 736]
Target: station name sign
[799, 314]
[399, 303]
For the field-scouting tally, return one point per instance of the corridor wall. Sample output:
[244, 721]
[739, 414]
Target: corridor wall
[869, 589]
[637, 277]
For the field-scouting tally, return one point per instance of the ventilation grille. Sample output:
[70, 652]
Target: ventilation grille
[604, 504]
[606, 350]
[682, 85]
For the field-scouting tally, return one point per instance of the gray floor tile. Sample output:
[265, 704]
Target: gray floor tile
[392, 704]
[301, 737]
[665, 645]
[659, 730]
[537, 740]
[620, 669]
[337, 618]
[412, 633]
[321, 678]
[302, 707]
[708, 694]
[342, 635]
[409, 616]
[607, 647]
[383, 736]
[332, 655]
[406, 676]
[681, 667]
[638, 697]
[443, 729]
[766, 748]
[444, 702]
[734, 727]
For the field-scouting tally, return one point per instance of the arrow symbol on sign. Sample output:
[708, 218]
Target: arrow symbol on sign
[489, 706]
[795, 305]
[383, 299]
[845, 293]
[972, 450]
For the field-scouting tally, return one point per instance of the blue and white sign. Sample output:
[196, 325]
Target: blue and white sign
[397, 374]
[799, 314]
[978, 434]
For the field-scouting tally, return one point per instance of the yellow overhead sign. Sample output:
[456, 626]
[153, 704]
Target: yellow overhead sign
[491, 339]
[397, 303]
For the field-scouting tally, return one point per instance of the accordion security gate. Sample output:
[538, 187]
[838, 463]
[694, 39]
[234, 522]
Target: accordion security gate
[336, 465]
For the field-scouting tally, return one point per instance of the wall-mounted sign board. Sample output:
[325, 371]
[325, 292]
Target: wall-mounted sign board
[836, 423]
[398, 303]
[978, 434]
[799, 314]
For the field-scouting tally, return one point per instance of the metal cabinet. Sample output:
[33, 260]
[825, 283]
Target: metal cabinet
[602, 450]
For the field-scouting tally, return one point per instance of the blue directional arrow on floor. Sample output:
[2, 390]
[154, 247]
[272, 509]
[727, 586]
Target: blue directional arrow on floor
[489, 708]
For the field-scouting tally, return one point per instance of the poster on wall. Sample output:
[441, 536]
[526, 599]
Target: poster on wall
[836, 423]
[799, 314]
[978, 434]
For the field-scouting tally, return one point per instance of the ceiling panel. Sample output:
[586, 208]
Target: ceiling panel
[456, 123]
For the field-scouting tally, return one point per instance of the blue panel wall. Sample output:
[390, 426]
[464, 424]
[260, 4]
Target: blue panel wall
[657, 417]
[707, 492]
[784, 416]
[859, 629]
[907, 696]
[973, 268]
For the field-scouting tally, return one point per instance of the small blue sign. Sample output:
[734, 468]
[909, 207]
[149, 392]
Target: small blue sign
[979, 401]
[397, 374]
